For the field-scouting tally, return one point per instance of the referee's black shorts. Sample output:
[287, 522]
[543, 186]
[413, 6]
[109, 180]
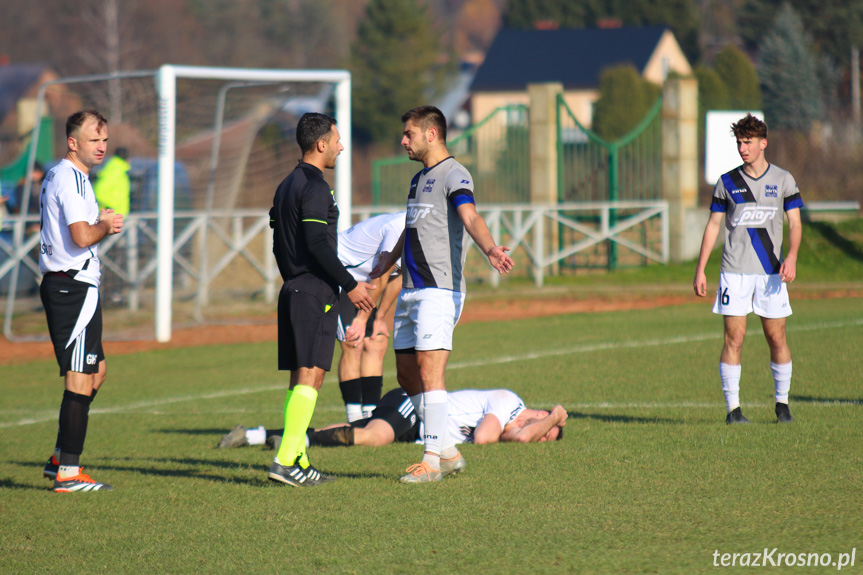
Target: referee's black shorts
[74, 313]
[395, 408]
[308, 313]
[347, 313]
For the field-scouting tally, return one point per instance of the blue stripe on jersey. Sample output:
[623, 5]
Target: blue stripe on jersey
[79, 183]
[736, 185]
[719, 205]
[793, 202]
[763, 247]
[731, 188]
[415, 261]
[461, 197]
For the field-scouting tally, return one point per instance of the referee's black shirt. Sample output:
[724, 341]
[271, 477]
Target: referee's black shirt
[304, 218]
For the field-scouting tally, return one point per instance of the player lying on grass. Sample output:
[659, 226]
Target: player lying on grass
[475, 416]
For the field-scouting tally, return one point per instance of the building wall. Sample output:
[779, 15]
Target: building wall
[667, 57]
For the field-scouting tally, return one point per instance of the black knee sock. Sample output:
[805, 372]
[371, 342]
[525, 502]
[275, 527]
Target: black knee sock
[352, 391]
[334, 436]
[74, 414]
[372, 386]
[57, 443]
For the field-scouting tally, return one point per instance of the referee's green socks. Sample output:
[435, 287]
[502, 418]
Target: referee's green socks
[299, 407]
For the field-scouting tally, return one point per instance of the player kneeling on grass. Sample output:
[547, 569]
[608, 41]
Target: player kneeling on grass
[475, 416]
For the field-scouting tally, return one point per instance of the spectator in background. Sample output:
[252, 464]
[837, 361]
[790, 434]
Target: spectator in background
[112, 187]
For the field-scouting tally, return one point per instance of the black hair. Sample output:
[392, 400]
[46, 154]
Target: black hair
[312, 128]
[426, 117]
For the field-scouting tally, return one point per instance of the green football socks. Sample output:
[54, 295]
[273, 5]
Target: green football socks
[299, 407]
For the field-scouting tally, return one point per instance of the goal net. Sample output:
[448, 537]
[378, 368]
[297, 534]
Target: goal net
[207, 148]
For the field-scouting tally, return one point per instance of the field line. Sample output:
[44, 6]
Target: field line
[603, 346]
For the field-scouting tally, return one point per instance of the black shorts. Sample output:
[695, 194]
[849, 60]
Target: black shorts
[74, 313]
[308, 313]
[347, 313]
[395, 408]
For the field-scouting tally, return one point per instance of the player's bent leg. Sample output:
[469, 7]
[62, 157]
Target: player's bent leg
[376, 433]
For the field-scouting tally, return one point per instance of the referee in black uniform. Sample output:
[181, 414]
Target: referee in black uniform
[304, 219]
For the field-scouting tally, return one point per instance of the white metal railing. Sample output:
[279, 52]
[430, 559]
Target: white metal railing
[132, 256]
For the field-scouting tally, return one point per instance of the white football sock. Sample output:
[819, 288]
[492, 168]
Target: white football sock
[354, 412]
[417, 400]
[257, 436]
[781, 380]
[435, 408]
[367, 410]
[730, 376]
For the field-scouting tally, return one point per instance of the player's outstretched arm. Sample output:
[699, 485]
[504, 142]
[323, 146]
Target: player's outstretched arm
[788, 269]
[711, 232]
[478, 230]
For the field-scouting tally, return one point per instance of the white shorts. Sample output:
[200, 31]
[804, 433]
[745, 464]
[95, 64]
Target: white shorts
[742, 294]
[425, 318]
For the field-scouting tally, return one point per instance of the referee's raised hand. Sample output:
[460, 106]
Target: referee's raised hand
[360, 297]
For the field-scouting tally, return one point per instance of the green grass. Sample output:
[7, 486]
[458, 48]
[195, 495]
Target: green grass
[648, 479]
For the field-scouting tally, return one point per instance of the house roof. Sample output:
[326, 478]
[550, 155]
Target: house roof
[15, 81]
[573, 57]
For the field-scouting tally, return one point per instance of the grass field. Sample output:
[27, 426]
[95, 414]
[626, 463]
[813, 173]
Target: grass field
[647, 479]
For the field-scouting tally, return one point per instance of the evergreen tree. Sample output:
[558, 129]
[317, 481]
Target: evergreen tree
[394, 67]
[625, 98]
[835, 25]
[712, 91]
[789, 75]
[740, 79]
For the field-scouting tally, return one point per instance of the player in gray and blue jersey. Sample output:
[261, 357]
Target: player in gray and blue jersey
[753, 276]
[440, 209]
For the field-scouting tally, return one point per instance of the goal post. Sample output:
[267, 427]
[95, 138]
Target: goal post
[167, 83]
[204, 160]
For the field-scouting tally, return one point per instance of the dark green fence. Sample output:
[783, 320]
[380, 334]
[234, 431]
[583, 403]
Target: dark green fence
[592, 169]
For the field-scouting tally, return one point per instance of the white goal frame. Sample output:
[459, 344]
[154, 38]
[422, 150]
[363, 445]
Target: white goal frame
[166, 82]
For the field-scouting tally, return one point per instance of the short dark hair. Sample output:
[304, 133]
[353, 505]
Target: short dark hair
[426, 117]
[749, 127]
[76, 120]
[312, 128]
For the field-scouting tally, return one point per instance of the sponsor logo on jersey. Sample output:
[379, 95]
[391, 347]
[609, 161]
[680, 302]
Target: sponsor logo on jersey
[465, 181]
[417, 212]
[753, 216]
[429, 186]
[771, 191]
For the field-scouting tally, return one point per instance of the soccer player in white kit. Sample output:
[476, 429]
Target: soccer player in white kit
[440, 209]
[72, 227]
[364, 336]
[753, 276]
